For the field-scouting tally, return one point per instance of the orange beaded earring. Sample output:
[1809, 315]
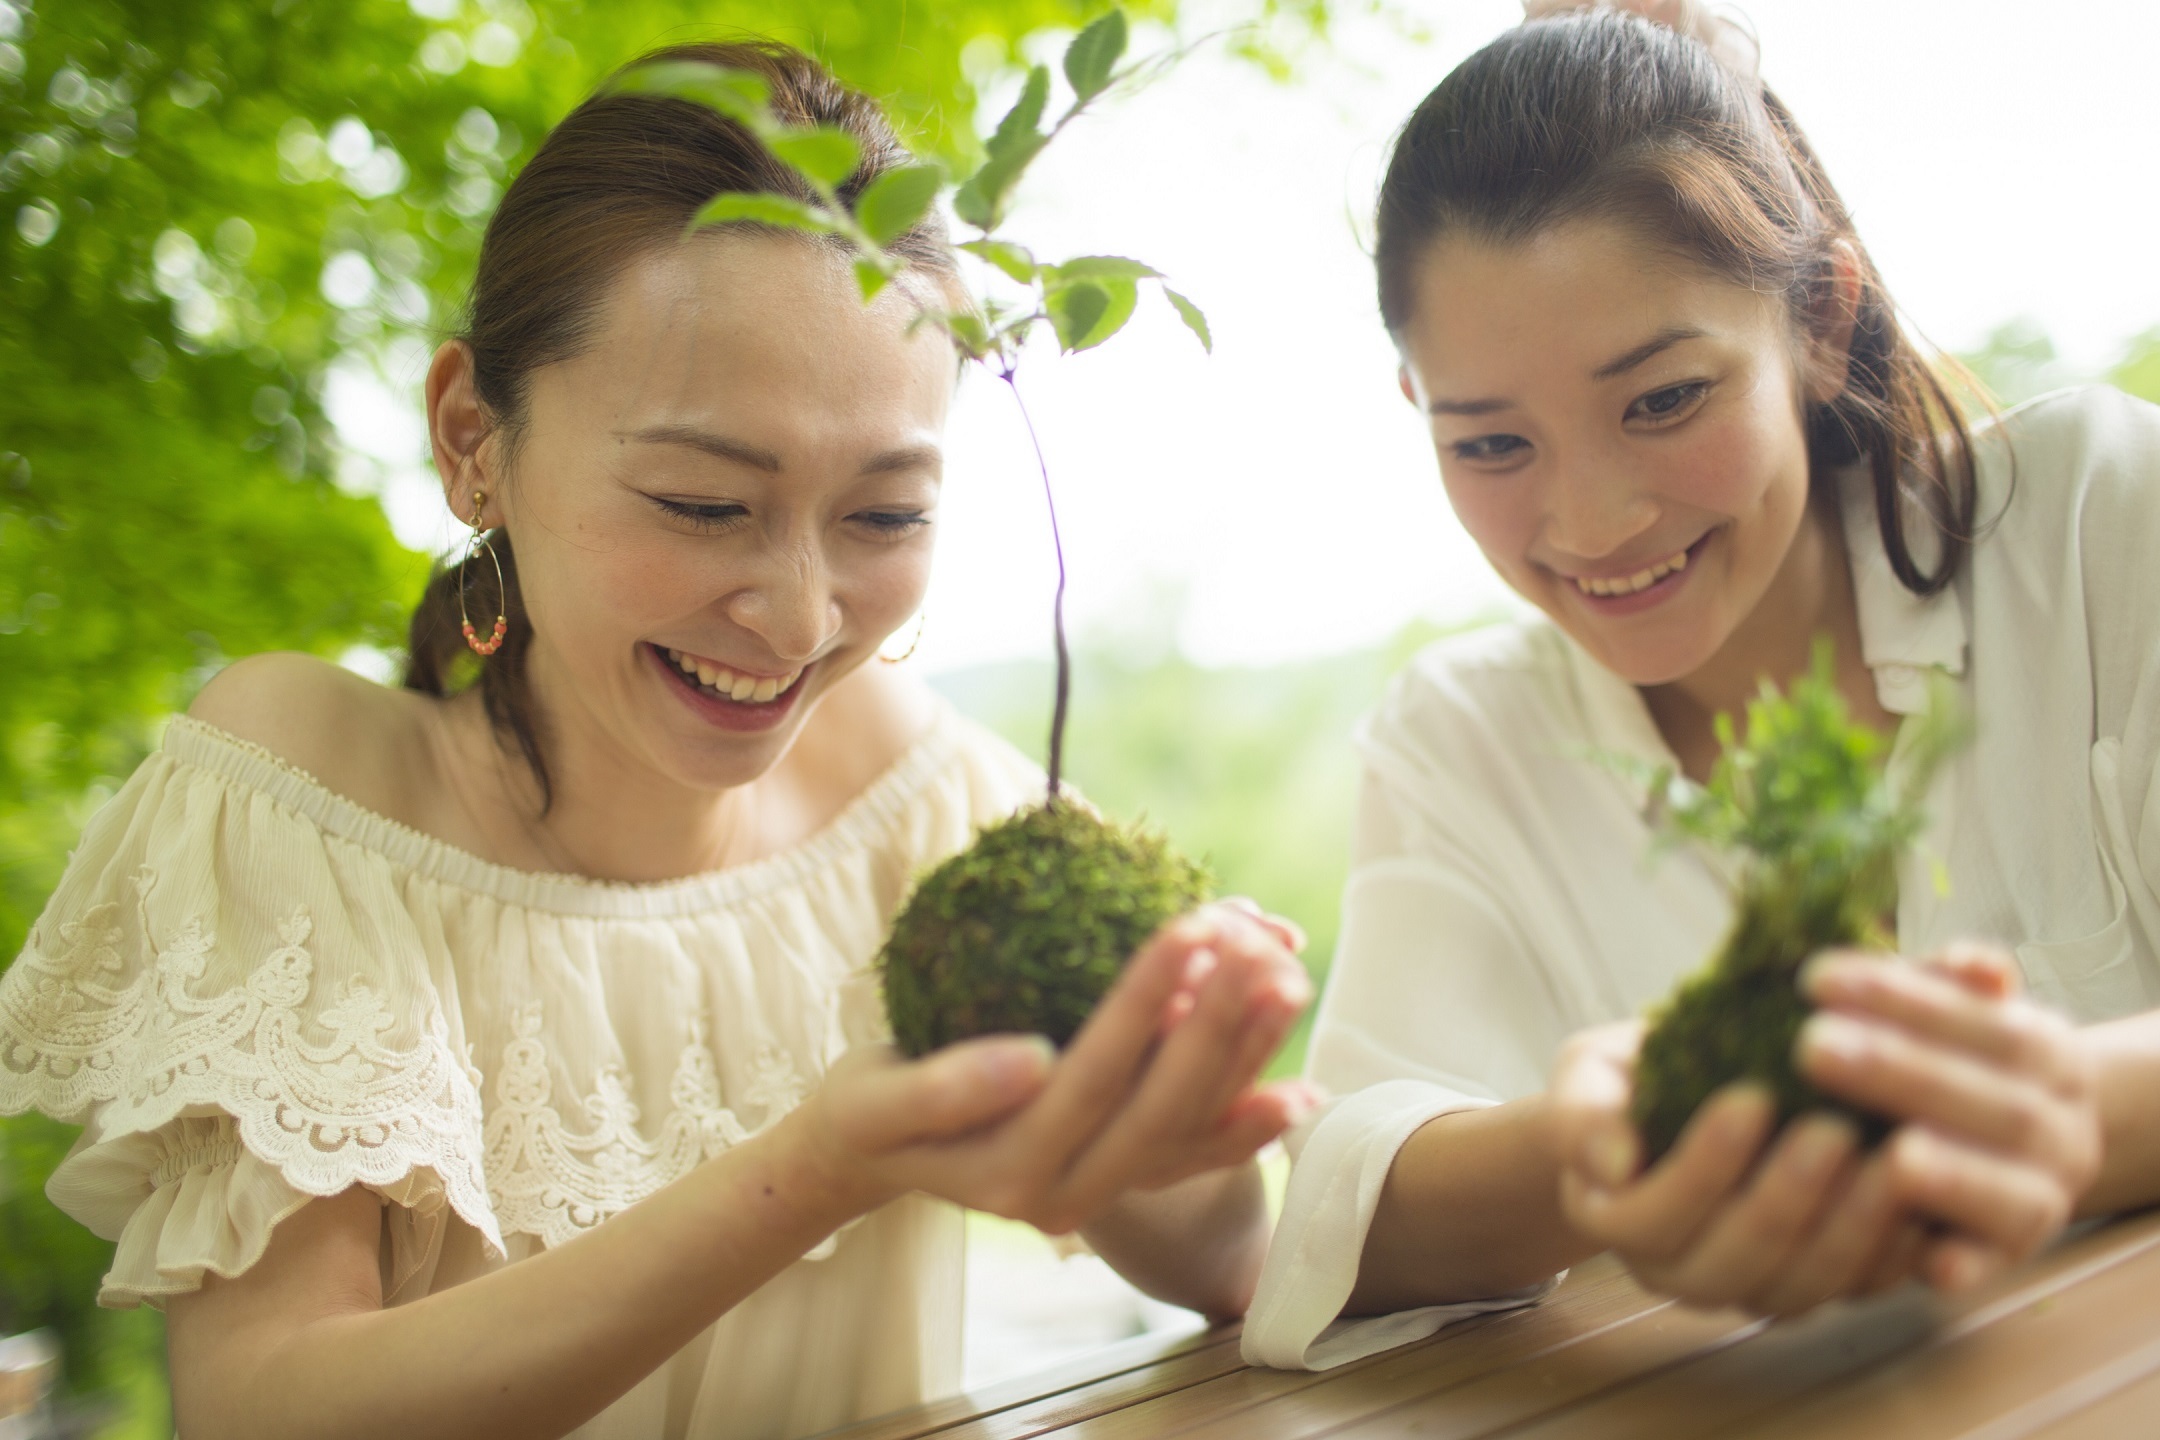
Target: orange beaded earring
[473, 548]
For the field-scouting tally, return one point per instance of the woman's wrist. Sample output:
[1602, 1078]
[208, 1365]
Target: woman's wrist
[819, 1173]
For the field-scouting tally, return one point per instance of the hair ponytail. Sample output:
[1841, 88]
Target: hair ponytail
[1599, 114]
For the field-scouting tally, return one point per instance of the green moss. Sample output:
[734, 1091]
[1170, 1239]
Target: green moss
[1805, 800]
[1026, 928]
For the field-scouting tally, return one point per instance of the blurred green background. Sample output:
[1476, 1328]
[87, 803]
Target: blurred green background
[205, 204]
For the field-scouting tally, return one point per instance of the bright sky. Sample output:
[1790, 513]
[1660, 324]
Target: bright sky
[1279, 499]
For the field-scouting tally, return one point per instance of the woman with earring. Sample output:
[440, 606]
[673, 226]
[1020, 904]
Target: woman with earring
[495, 1056]
[1672, 403]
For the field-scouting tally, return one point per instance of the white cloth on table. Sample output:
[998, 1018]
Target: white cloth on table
[251, 992]
[1505, 889]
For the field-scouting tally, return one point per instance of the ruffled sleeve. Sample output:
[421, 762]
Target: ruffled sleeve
[238, 1010]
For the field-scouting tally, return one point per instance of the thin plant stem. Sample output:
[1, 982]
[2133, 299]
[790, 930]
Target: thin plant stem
[1057, 606]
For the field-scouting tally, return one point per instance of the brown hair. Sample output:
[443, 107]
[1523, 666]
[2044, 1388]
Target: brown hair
[621, 175]
[1601, 114]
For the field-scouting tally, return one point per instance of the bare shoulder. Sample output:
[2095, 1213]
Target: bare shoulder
[860, 730]
[362, 740]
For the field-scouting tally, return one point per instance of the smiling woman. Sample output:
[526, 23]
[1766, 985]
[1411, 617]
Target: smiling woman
[1671, 403]
[501, 1058]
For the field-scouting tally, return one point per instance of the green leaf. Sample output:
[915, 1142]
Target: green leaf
[759, 207]
[1194, 320]
[970, 334]
[1024, 120]
[982, 201]
[873, 275]
[826, 154]
[1017, 140]
[1093, 55]
[738, 94]
[1107, 267]
[896, 201]
[1088, 312]
[1074, 309]
[1013, 259]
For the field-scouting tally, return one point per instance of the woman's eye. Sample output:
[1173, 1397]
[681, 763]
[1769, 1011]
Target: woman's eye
[1662, 406]
[1490, 447]
[893, 522]
[703, 516]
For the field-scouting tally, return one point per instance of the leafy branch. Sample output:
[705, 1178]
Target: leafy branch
[1084, 300]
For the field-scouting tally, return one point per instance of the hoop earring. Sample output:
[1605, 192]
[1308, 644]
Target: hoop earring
[922, 617]
[474, 546]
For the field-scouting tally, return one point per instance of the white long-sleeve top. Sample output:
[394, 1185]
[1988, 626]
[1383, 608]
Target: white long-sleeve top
[1505, 890]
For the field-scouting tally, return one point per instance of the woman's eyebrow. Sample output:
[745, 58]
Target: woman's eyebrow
[907, 457]
[712, 444]
[1490, 406]
[1665, 339]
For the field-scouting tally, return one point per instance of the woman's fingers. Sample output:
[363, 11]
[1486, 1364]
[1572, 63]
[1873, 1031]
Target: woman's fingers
[1659, 1216]
[1839, 1255]
[1747, 1241]
[2012, 1033]
[1887, 1071]
[1589, 1103]
[880, 1102]
[1097, 1071]
[1188, 1084]
[1955, 1263]
[2012, 1206]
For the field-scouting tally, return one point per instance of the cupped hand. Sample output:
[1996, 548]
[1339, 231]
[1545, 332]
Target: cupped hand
[1159, 1084]
[1729, 1216]
[1999, 1098]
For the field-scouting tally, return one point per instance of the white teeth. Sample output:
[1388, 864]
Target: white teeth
[744, 689]
[1630, 584]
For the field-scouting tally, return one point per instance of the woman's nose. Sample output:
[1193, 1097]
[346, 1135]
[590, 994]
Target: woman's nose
[791, 606]
[1590, 512]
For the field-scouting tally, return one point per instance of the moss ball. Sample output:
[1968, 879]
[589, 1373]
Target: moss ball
[1026, 928]
[1739, 1018]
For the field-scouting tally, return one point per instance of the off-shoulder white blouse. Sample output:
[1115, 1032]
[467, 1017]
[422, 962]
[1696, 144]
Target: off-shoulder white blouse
[250, 992]
[1504, 889]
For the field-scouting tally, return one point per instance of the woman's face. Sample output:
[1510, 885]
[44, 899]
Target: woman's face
[726, 502]
[1619, 432]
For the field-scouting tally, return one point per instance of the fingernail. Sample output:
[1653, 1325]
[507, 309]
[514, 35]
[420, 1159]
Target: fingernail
[1199, 965]
[1611, 1157]
[1821, 1142]
[1027, 1058]
[1833, 1037]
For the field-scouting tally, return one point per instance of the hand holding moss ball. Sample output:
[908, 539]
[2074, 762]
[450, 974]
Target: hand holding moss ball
[1026, 929]
[1806, 800]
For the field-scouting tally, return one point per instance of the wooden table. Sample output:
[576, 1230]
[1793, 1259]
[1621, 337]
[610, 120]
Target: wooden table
[2067, 1349]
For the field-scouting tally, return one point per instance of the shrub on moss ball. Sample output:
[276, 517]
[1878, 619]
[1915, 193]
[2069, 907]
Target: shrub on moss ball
[1027, 928]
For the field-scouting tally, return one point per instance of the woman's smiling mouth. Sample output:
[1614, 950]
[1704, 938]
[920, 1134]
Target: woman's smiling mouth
[725, 698]
[1632, 591]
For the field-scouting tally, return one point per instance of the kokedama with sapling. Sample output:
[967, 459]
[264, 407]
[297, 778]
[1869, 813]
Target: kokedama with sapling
[1806, 799]
[1027, 928]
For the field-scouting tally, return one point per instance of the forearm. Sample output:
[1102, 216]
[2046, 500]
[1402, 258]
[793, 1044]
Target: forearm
[1471, 1208]
[1198, 1243]
[2128, 1052]
[535, 1348]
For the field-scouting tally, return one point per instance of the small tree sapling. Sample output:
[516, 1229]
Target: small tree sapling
[1027, 928]
[1806, 800]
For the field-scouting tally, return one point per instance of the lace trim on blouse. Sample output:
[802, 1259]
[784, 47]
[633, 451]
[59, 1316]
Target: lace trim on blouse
[328, 1114]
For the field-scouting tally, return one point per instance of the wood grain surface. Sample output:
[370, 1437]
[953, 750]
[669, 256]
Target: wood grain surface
[2067, 1348]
